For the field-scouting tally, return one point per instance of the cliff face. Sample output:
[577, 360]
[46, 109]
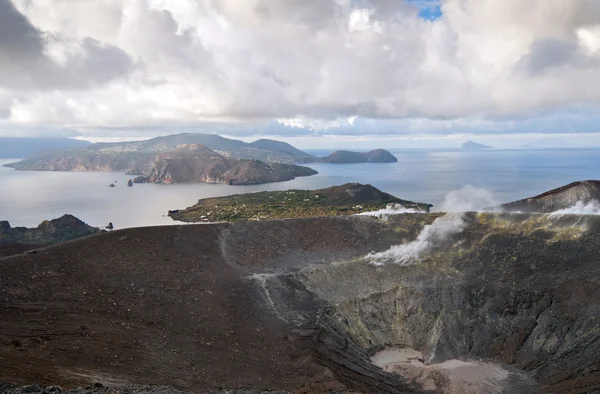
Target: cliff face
[19, 239]
[196, 163]
[297, 305]
[348, 157]
[561, 198]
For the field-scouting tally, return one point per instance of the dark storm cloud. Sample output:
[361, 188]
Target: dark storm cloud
[18, 38]
[25, 65]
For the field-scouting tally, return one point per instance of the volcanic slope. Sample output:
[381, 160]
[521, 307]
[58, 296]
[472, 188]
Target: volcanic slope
[561, 198]
[295, 305]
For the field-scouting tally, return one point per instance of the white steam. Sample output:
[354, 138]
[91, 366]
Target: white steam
[467, 199]
[581, 208]
[431, 235]
[390, 209]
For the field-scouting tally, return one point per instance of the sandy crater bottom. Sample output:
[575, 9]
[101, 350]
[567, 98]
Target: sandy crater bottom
[449, 377]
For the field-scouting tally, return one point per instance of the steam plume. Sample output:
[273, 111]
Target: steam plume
[467, 199]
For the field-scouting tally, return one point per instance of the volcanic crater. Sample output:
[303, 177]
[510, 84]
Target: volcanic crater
[510, 303]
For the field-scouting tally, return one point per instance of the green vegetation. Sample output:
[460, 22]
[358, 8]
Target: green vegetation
[342, 200]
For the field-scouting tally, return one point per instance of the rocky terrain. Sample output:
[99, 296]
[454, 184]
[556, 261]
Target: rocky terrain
[197, 163]
[492, 303]
[15, 240]
[584, 192]
[348, 157]
[348, 199]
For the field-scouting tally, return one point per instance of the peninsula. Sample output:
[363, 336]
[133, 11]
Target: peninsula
[348, 199]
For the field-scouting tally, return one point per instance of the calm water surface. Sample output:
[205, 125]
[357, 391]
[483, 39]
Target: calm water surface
[28, 197]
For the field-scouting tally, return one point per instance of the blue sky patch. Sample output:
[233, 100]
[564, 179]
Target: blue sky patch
[430, 9]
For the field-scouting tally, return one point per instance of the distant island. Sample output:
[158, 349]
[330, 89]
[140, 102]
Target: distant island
[15, 240]
[127, 156]
[16, 147]
[194, 158]
[197, 163]
[348, 199]
[472, 145]
[348, 157]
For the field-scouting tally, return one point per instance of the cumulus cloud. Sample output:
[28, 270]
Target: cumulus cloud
[135, 64]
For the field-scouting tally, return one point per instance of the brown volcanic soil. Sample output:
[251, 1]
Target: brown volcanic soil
[155, 305]
[292, 305]
[11, 248]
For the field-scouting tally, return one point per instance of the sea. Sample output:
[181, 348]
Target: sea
[29, 197]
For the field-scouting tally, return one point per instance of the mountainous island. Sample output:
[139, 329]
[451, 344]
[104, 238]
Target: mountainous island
[472, 145]
[197, 163]
[19, 239]
[179, 158]
[348, 157]
[583, 193]
[348, 199]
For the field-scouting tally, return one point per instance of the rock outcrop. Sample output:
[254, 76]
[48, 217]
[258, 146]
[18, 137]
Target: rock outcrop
[564, 197]
[348, 199]
[295, 305]
[348, 157]
[18, 239]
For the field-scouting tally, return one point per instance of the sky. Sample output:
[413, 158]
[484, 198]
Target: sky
[318, 73]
